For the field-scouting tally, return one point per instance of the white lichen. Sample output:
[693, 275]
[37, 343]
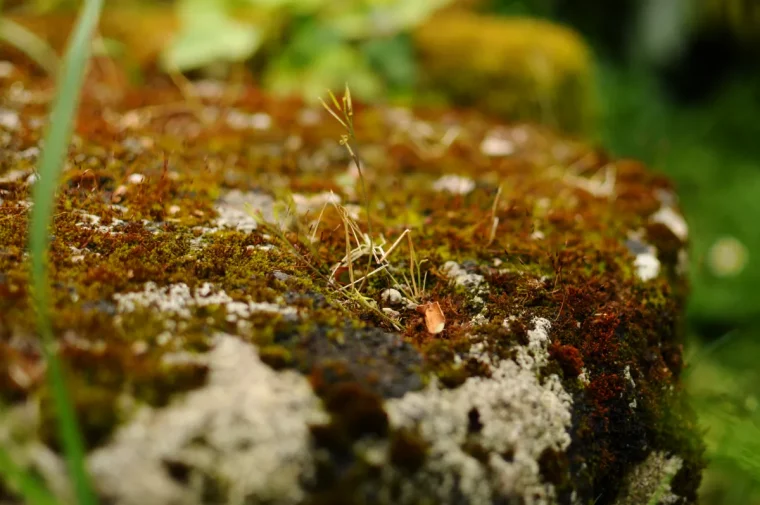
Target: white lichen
[237, 210]
[535, 355]
[255, 418]
[496, 144]
[239, 120]
[673, 220]
[9, 119]
[583, 377]
[455, 184]
[179, 301]
[474, 283]
[92, 222]
[649, 479]
[391, 296]
[136, 179]
[461, 277]
[647, 266]
[520, 418]
[13, 176]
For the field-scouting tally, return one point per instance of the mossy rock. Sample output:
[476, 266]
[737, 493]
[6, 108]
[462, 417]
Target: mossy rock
[516, 68]
[214, 358]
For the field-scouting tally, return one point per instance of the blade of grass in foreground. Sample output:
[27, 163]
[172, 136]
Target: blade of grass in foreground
[69, 84]
[21, 481]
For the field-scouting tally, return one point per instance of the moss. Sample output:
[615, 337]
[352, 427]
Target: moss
[408, 450]
[276, 356]
[493, 62]
[140, 204]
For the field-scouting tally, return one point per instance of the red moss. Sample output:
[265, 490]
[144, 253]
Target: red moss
[569, 358]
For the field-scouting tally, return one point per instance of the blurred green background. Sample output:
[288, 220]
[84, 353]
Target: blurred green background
[676, 84]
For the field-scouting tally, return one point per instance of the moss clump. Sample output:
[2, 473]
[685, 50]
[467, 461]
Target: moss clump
[276, 356]
[516, 68]
[408, 450]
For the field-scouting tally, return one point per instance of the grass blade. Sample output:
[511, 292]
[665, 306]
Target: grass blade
[57, 137]
[30, 44]
[22, 482]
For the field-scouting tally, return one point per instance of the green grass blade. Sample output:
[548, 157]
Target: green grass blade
[22, 482]
[56, 146]
[30, 43]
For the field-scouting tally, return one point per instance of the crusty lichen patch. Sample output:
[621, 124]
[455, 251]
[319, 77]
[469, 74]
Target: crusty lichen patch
[649, 482]
[555, 376]
[255, 418]
[487, 437]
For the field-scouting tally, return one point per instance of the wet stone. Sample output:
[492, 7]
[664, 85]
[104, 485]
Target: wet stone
[222, 349]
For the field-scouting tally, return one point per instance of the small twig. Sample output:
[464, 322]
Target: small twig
[494, 219]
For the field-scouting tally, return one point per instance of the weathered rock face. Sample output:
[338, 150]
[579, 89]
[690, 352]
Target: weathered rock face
[217, 355]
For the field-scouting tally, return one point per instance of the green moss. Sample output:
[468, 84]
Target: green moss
[408, 450]
[276, 356]
[493, 63]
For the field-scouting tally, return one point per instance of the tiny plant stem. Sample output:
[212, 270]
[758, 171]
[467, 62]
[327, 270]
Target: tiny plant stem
[346, 108]
[57, 138]
[367, 200]
[360, 279]
[394, 246]
[348, 254]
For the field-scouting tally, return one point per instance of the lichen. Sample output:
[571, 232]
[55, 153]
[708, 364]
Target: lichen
[510, 417]
[256, 417]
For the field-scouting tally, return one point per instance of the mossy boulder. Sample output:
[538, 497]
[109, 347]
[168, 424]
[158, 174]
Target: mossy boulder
[516, 68]
[215, 353]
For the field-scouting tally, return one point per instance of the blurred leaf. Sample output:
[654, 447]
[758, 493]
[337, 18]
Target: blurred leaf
[333, 67]
[299, 6]
[372, 18]
[209, 34]
[393, 58]
[309, 39]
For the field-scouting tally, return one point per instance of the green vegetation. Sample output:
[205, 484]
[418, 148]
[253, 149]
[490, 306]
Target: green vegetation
[711, 152]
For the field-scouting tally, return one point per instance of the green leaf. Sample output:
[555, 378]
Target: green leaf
[209, 34]
[332, 68]
[393, 59]
[379, 17]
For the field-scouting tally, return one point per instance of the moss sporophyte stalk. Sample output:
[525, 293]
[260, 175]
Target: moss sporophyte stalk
[477, 313]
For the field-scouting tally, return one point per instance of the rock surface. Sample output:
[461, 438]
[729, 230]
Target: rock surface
[217, 355]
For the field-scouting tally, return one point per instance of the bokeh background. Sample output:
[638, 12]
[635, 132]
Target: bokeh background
[674, 83]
